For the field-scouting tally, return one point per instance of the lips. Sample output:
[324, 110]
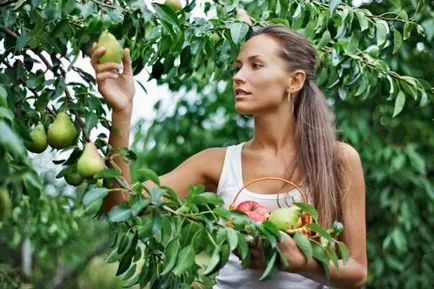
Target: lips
[240, 91]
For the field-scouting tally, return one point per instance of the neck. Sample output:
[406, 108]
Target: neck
[274, 133]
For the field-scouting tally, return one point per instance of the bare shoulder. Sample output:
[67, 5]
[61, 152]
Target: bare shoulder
[353, 176]
[348, 154]
[211, 162]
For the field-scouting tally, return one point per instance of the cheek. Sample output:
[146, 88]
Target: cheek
[270, 86]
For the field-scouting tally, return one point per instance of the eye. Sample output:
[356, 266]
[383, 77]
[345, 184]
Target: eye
[256, 66]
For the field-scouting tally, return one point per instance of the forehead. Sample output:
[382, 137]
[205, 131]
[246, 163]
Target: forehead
[263, 46]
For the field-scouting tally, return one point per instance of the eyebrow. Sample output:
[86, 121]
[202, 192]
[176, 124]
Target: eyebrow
[250, 57]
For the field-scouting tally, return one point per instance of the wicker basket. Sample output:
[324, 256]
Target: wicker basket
[306, 219]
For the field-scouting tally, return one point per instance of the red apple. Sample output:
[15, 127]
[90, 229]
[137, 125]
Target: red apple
[255, 211]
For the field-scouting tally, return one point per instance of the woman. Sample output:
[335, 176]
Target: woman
[294, 138]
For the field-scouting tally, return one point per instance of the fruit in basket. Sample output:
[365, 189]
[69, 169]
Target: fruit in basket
[286, 218]
[255, 211]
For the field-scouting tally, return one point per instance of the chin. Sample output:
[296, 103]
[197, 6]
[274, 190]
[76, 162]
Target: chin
[243, 109]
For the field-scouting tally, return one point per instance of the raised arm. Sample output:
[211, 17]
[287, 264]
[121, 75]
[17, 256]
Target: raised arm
[118, 90]
[116, 84]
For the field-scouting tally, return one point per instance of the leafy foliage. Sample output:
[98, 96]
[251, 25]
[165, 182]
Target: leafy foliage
[368, 68]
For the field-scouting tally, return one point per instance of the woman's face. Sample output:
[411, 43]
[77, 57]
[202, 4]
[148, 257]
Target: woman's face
[262, 74]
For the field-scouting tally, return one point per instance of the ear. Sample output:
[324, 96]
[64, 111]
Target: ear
[296, 81]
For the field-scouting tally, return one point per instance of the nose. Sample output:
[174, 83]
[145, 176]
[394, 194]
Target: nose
[239, 77]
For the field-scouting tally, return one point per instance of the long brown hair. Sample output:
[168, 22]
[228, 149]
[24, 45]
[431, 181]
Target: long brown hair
[318, 158]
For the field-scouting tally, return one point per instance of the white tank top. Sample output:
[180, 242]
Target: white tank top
[232, 275]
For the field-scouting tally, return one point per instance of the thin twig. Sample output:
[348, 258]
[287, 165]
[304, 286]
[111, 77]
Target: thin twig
[62, 73]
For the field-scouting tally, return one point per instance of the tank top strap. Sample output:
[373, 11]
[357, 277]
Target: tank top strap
[231, 170]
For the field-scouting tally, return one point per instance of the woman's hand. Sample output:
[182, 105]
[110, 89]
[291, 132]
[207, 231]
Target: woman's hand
[117, 88]
[296, 259]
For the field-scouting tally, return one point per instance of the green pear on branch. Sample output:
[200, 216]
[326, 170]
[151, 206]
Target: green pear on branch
[73, 177]
[62, 132]
[5, 204]
[174, 4]
[90, 161]
[39, 140]
[113, 49]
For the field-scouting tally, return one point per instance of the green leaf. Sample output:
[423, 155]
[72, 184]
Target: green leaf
[208, 198]
[171, 256]
[271, 228]
[108, 173]
[225, 252]
[10, 140]
[129, 273]
[94, 194]
[166, 14]
[363, 20]
[125, 263]
[407, 30]
[271, 264]
[397, 41]
[148, 174]
[22, 41]
[3, 97]
[308, 209]
[332, 255]
[382, 31]
[399, 103]
[157, 221]
[239, 31]
[213, 263]
[6, 113]
[243, 246]
[268, 235]
[343, 250]
[304, 244]
[113, 256]
[325, 39]
[320, 254]
[320, 230]
[91, 121]
[222, 212]
[119, 214]
[139, 205]
[333, 6]
[232, 238]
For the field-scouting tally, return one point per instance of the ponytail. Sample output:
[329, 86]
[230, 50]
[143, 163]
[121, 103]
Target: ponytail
[316, 141]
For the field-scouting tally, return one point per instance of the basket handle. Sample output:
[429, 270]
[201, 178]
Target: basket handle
[232, 205]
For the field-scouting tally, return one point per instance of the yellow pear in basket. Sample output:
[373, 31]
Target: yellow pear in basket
[286, 218]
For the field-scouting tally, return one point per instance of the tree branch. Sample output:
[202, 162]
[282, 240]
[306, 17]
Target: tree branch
[73, 272]
[62, 73]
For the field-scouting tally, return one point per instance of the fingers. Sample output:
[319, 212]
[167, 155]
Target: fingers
[127, 62]
[106, 75]
[96, 54]
[110, 66]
